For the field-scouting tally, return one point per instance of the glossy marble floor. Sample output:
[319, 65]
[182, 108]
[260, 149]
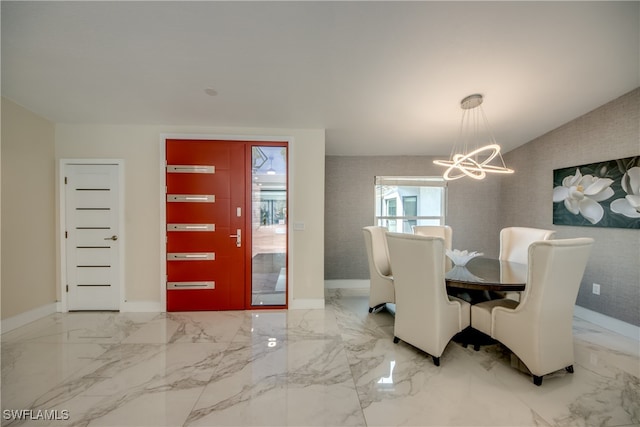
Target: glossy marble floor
[331, 367]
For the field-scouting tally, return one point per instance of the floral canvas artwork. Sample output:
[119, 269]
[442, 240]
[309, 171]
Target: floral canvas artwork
[605, 194]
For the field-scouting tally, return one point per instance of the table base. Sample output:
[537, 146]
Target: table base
[470, 336]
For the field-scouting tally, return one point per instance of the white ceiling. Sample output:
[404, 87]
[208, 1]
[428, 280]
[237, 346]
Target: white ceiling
[383, 78]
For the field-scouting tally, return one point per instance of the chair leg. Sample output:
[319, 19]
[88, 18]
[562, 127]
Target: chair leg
[569, 369]
[436, 360]
[396, 340]
[537, 380]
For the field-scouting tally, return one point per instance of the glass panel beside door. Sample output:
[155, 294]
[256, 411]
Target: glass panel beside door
[269, 225]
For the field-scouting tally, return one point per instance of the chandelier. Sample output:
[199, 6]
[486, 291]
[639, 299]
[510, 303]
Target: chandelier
[468, 157]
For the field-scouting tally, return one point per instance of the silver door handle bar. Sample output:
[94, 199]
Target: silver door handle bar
[238, 237]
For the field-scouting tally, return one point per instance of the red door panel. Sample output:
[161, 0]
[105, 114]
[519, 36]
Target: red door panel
[199, 300]
[193, 152]
[217, 242]
[186, 183]
[227, 184]
[195, 271]
[200, 213]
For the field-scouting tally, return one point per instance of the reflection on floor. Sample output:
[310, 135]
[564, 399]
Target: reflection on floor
[331, 367]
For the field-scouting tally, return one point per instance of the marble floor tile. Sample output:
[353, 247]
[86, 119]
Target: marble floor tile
[30, 369]
[300, 382]
[332, 367]
[193, 327]
[80, 327]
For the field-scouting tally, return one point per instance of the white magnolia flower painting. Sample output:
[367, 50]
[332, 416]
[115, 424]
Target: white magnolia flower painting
[605, 194]
[630, 205]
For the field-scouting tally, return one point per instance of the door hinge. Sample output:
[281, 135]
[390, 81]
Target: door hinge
[66, 234]
[67, 288]
[65, 180]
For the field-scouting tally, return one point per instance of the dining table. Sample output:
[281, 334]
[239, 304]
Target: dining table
[487, 274]
[483, 279]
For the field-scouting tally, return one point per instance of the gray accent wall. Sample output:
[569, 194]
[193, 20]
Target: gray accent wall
[478, 210]
[612, 131]
[472, 210]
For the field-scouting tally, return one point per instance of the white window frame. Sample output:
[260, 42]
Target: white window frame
[408, 181]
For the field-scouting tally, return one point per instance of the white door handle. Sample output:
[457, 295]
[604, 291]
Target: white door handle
[238, 237]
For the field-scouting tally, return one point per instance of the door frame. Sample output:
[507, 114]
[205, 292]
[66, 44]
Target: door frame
[62, 202]
[162, 197]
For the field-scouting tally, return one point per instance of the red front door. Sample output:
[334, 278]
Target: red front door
[206, 235]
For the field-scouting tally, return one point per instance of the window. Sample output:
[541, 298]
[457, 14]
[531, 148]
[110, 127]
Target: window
[410, 208]
[405, 201]
[391, 211]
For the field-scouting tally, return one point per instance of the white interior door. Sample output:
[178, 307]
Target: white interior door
[92, 236]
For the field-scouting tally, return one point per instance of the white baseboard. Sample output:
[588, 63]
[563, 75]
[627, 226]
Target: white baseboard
[347, 284]
[22, 319]
[618, 326]
[307, 304]
[142, 307]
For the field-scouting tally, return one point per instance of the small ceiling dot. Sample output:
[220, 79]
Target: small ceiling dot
[210, 91]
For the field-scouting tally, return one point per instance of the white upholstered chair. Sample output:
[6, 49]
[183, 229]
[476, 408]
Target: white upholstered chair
[515, 241]
[443, 231]
[426, 317]
[539, 330]
[382, 289]
[514, 244]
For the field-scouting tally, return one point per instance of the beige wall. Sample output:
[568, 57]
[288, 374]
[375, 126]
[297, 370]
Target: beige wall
[28, 222]
[139, 147]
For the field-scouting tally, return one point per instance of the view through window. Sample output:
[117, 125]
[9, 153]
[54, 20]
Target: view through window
[403, 202]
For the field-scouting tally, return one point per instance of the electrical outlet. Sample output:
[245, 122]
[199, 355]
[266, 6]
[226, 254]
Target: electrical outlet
[596, 289]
